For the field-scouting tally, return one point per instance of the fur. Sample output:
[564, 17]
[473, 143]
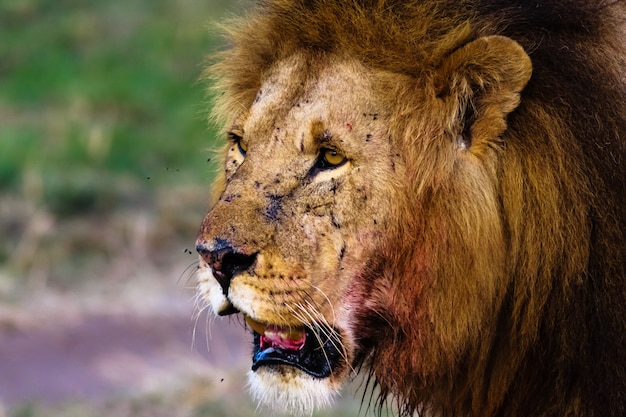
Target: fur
[501, 290]
[297, 396]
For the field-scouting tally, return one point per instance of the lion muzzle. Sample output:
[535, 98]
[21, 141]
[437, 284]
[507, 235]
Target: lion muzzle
[226, 262]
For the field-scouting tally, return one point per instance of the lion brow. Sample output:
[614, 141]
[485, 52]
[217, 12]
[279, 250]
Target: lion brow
[318, 136]
[322, 138]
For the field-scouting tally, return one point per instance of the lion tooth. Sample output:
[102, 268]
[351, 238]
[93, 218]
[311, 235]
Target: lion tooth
[292, 334]
[260, 328]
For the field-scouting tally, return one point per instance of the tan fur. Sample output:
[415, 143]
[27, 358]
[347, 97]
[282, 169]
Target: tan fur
[471, 250]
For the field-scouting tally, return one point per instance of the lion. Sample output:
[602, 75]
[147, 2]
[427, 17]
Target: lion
[433, 192]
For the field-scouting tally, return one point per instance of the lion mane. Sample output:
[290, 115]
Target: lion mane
[475, 264]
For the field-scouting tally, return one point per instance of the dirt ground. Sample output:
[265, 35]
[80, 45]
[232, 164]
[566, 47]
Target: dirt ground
[151, 340]
[56, 354]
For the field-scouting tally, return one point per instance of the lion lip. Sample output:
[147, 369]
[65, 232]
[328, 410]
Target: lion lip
[310, 352]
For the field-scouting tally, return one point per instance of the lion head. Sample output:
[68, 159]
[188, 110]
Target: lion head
[409, 186]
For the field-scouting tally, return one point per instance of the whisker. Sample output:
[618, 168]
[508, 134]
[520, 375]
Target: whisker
[318, 318]
[196, 319]
[332, 308]
[207, 330]
[320, 325]
[370, 385]
[332, 335]
[189, 272]
[313, 327]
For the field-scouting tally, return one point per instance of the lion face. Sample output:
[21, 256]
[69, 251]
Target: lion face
[357, 207]
[311, 179]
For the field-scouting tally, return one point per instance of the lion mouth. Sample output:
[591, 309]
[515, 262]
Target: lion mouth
[313, 352]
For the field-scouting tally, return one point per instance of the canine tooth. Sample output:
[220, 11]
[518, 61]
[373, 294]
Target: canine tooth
[260, 328]
[291, 334]
[275, 332]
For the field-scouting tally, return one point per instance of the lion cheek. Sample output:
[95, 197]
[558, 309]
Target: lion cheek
[253, 301]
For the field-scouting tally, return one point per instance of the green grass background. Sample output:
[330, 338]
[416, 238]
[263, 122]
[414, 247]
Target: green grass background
[101, 111]
[93, 93]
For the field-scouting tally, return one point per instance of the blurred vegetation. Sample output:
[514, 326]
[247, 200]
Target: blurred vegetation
[93, 90]
[101, 111]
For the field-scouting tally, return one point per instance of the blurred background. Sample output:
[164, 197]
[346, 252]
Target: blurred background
[104, 171]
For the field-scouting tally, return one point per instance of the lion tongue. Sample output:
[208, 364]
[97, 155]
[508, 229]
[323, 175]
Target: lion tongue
[287, 338]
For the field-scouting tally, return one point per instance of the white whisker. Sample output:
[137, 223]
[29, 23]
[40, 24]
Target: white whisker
[329, 332]
[316, 329]
[332, 308]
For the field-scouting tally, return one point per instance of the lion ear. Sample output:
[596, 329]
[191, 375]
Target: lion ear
[481, 83]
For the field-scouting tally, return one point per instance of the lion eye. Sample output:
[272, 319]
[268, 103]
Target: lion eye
[330, 158]
[238, 140]
[243, 147]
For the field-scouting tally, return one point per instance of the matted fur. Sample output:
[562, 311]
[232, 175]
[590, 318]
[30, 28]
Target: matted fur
[501, 293]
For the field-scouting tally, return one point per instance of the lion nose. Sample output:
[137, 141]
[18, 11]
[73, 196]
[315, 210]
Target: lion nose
[225, 261]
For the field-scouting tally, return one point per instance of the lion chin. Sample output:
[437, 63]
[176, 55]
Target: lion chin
[286, 389]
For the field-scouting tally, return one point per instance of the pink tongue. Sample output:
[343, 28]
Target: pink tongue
[283, 338]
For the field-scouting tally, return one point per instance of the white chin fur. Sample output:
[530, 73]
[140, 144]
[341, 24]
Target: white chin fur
[290, 390]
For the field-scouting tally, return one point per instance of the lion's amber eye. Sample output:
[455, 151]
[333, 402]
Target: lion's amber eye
[238, 141]
[330, 158]
[243, 147]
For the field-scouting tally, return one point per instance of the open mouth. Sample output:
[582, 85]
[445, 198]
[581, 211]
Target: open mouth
[315, 352]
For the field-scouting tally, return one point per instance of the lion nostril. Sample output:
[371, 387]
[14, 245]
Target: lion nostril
[225, 261]
[234, 263]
